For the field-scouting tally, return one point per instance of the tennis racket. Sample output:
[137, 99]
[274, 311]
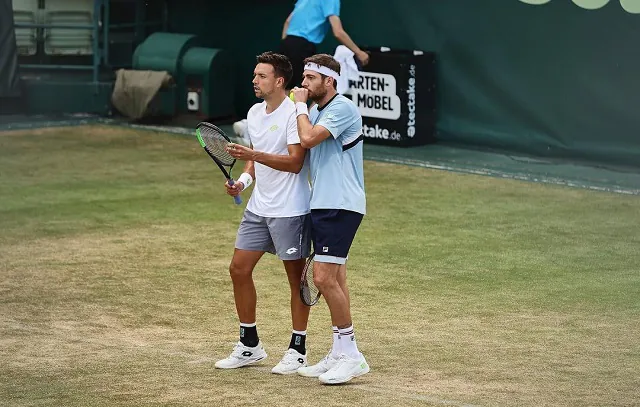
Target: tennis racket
[215, 143]
[309, 293]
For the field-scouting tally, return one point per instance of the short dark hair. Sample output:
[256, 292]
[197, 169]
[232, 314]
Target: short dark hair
[325, 60]
[281, 65]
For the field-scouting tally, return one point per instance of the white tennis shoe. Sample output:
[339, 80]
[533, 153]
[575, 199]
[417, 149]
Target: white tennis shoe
[242, 356]
[319, 368]
[290, 363]
[345, 369]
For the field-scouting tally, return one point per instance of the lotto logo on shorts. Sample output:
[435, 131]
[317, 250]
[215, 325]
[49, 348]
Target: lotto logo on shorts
[291, 250]
[325, 249]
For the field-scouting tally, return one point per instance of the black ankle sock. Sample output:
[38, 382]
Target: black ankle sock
[249, 336]
[297, 343]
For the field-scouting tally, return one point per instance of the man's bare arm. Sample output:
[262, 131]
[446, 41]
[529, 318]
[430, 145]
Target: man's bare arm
[310, 135]
[285, 27]
[344, 38]
[291, 162]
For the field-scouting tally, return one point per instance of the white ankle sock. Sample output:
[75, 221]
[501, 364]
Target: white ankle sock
[335, 349]
[348, 342]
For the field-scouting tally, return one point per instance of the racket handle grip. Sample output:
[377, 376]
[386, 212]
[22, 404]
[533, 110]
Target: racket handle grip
[236, 198]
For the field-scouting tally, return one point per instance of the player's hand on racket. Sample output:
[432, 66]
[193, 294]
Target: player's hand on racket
[235, 189]
[240, 152]
[300, 95]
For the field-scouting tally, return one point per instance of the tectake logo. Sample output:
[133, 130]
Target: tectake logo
[379, 133]
[630, 6]
[411, 102]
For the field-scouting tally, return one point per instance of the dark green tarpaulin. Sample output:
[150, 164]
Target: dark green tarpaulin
[554, 79]
[9, 78]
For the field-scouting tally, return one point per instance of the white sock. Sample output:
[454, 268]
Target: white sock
[335, 349]
[348, 342]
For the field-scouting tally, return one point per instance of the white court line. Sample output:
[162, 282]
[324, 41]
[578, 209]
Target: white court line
[423, 164]
[485, 172]
[494, 173]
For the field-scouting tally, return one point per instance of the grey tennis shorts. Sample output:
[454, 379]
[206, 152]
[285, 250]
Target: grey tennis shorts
[288, 238]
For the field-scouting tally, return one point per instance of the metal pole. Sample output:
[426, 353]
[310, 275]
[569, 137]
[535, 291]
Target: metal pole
[105, 31]
[96, 43]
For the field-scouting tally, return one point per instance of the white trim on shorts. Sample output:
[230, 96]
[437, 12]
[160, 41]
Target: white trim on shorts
[329, 259]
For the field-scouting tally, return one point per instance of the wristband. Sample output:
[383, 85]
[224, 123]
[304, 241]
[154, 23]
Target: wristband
[301, 108]
[246, 179]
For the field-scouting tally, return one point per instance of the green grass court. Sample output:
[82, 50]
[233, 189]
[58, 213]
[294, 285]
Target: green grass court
[467, 290]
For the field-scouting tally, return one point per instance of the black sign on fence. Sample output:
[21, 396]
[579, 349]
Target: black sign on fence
[396, 95]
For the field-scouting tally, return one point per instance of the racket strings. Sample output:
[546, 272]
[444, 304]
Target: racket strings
[310, 292]
[217, 144]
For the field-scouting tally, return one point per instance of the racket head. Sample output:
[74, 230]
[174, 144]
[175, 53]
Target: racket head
[309, 293]
[215, 142]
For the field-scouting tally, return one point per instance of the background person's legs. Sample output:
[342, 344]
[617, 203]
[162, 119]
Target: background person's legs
[297, 49]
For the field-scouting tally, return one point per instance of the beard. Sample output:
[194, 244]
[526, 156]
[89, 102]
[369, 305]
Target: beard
[318, 94]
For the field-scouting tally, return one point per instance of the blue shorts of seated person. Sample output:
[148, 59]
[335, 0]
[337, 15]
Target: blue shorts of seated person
[333, 231]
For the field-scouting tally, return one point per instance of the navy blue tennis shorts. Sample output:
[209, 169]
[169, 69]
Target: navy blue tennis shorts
[333, 231]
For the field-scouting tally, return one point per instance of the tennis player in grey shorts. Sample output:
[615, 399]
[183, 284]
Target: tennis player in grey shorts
[288, 238]
[276, 219]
